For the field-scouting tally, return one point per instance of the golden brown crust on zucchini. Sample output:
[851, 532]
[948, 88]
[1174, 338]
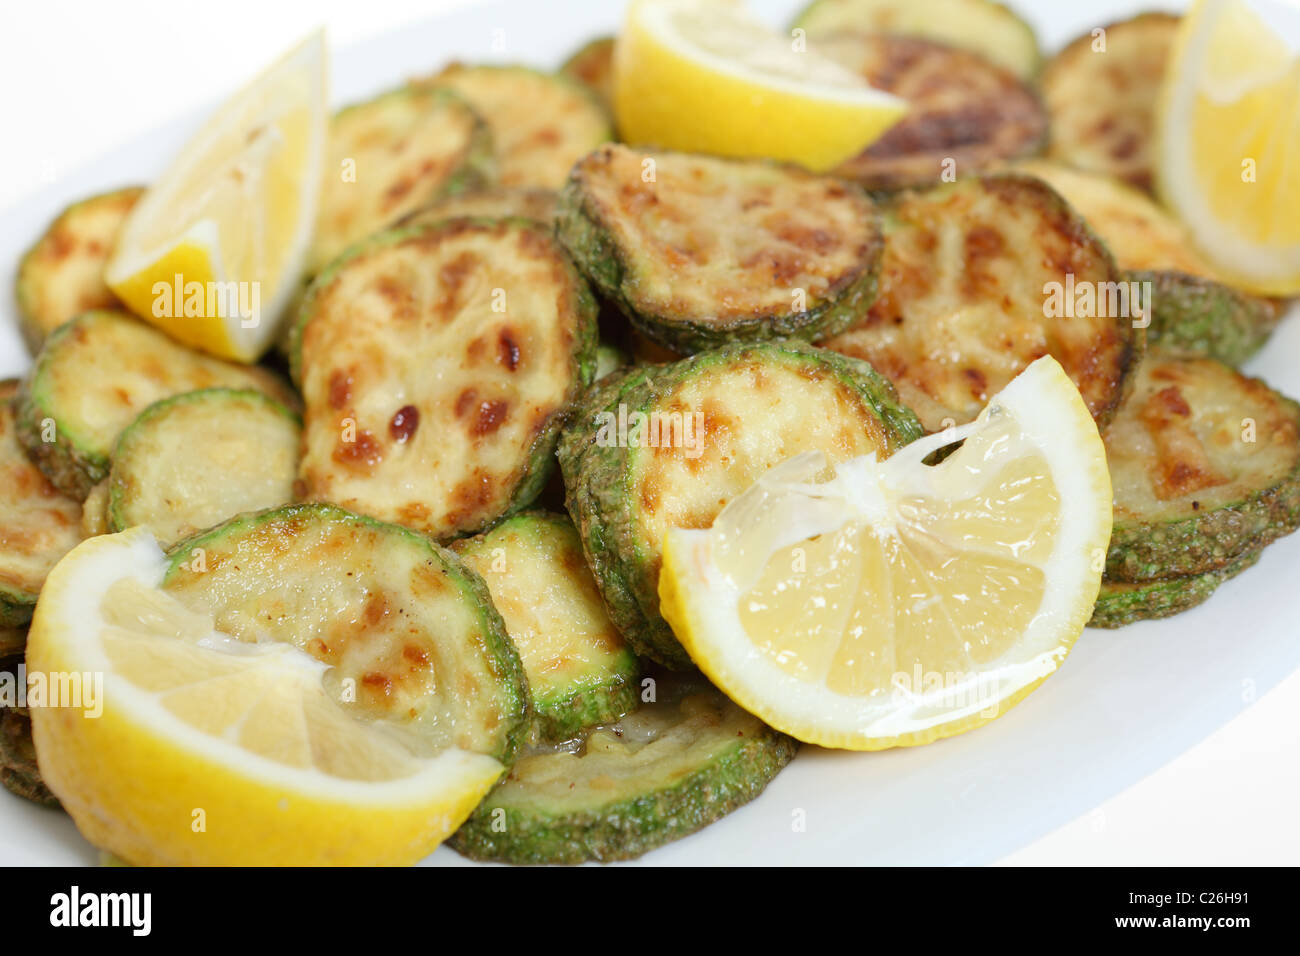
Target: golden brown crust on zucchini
[435, 365]
[965, 305]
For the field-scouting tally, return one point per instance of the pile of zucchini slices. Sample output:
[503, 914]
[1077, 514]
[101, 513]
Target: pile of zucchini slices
[505, 295]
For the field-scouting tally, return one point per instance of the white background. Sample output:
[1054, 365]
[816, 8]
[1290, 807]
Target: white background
[81, 78]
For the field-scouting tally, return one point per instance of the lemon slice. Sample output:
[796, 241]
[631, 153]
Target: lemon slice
[214, 251]
[1228, 140]
[212, 751]
[702, 76]
[876, 604]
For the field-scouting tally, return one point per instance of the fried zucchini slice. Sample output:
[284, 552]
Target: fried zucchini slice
[198, 458]
[38, 524]
[666, 770]
[1205, 466]
[409, 634]
[699, 251]
[541, 123]
[592, 65]
[501, 203]
[18, 770]
[1191, 311]
[662, 446]
[980, 26]
[964, 115]
[393, 155]
[1121, 603]
[1101, 93]
[964, 304]
[94, 375]
[62, 275]
[580, 672]
[435, 364]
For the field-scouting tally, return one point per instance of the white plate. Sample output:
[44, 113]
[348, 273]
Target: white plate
[1125, 702]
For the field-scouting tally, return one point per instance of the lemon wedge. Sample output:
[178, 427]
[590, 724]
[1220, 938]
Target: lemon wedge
[214, 251]
[1228, 140]
[875, 604]
[199, 749]
[703, 76]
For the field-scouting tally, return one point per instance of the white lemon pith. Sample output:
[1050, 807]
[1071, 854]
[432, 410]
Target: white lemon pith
[212, 751]
[1228, 140]
[228, 224]
[883, 603]
[702, 76]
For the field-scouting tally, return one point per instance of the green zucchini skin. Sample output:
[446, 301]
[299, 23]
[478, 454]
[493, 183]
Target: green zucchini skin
[624, 273]
[495, 203]
[1198, 317]
[543, 588]
[61, 275]
[650, 807]
[109, 359]
[173, 490]
[1203, 530]
[606, 485]
[18, 770]
[381, 587]
[328, 338]
[1122, 603]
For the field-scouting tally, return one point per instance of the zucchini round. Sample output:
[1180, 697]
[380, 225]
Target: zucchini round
[198, 458]
[435, 364]
[580, 672]
[1191, 312]
[662, 446]
[409, 633]
[663, 772]
[592, 65]
[62, 275]
[964, 301]
[502, 203]
[541, 123]
[1102, 100]
[1205, 466]
[94, 375]
[1121, 603]
[964, 115]
[392, 155]
[18, 770]
[980, 26]
[707, 251]
[38, 524]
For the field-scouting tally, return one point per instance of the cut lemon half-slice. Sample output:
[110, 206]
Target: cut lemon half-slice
[875, 604]
[1228, 139]
[704, 77]
[186, 746]
[214, 251]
